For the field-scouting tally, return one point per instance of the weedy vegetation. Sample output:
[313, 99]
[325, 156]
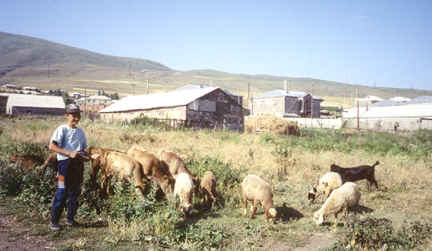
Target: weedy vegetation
[395, 217]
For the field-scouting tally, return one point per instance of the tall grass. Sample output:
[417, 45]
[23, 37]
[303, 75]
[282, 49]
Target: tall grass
[295, 162]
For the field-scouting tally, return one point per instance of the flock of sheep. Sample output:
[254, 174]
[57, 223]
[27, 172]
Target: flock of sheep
[169, 172]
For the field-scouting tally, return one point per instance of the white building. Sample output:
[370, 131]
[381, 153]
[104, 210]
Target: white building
[21, 104]
[392, 115]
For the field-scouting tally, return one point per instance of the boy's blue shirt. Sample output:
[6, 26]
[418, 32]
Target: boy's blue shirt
[71, 139]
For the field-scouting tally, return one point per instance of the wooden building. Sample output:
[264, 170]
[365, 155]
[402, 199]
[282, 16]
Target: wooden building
[207, 107]
[283, 103]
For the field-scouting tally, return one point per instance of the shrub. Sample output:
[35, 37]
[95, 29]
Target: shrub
[373, 233]
[228, 178]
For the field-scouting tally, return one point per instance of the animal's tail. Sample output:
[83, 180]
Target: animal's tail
[376, 163]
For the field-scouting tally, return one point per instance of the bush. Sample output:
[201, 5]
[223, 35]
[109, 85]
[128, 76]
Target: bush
[375, 234]
[228, 178]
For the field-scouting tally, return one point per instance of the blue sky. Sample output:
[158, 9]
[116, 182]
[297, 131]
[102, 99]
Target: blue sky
[382, 43]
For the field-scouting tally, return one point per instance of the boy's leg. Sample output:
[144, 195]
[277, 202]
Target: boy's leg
[74, 181]
[60, 196]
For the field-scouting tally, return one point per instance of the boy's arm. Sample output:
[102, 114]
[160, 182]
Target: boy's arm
[54, 147]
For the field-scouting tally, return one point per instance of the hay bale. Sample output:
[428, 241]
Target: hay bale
[271, 124]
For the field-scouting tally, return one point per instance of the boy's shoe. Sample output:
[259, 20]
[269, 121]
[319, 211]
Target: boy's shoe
[55, 227]
[72, 223]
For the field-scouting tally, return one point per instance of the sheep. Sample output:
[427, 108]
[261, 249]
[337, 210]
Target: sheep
[254, 188]
[174, 163]
[153, 169]
[208, 187]
[344, 198]
[183, 188]
[326, 184]
[357, 173]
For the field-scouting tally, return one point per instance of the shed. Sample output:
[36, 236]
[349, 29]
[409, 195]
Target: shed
[392, 115]
[283, 103]
[207, 107]
[21, 104]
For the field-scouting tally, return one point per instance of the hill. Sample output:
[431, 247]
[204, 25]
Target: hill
[18, 52]
[31, 61]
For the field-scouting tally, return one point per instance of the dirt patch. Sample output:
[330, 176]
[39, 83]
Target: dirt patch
[317, 241]
[14, 236]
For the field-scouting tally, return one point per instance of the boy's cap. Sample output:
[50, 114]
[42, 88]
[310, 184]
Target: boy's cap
[72, 108]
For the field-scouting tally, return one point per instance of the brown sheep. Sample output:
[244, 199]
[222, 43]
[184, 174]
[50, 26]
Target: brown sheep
[208, 187]
[115, 163]
[174, 163]
[153, 169]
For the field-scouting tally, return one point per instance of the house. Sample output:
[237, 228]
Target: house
[75, 95]
[390, 115]
[283, 103]
[21, 104]
[367, 100]
[93, 103]
[207, 107]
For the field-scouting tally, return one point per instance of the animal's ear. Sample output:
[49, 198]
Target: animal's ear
[95, 156]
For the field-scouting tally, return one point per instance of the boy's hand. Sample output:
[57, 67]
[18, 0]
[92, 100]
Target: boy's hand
[73, 154]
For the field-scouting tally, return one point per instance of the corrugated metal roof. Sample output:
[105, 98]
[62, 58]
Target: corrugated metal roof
[100, 97]
[198, 86]
[421, 99]
[283, 93]
[158, 100]
[393, 102]
[401, 111]
[38, 101]
[400, 99]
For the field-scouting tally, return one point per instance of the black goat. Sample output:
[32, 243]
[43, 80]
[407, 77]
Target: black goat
[357, 173]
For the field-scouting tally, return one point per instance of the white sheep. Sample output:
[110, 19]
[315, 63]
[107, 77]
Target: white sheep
[183, 188]
[344, 198]
[254, 188]
[326, 184]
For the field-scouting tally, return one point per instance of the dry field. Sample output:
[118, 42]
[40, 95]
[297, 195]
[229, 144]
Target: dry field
[292, 164]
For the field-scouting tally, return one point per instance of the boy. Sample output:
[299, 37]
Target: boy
[69, 142]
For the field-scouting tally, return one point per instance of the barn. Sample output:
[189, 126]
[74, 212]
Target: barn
[206, 107]
[21, 104]
[390, 115]
[282, 103]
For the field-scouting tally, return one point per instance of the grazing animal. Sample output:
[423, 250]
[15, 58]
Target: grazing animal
[114, 163]
[357, 173]
[174, 163]
[344, 198]
[257, 190]
[326, 184]
[208, 187]
[26, 161]
[183, 188]
[153, 169]
[51, 159]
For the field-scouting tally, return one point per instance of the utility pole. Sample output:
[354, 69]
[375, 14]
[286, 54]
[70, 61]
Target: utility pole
[248, 91]
[85, 101]
[358, 110]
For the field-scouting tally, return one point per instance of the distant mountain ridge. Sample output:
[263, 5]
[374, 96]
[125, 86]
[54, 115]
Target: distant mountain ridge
[18, 51]
[26, 60]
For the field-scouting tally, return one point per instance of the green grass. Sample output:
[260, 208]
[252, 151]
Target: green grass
[124, 222]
